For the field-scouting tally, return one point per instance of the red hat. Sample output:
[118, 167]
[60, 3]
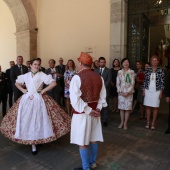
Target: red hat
[85, 58]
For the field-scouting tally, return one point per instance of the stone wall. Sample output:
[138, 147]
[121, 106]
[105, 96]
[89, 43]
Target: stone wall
[118, 27]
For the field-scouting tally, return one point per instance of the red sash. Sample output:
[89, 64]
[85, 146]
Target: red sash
[93, 105]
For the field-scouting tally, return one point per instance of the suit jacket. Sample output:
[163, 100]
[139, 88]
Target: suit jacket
[48, 71]
[9, 82]
[15, 72]
[42, 69]
[168, 87]
[107, 76]
[3, 87]
[61, 70]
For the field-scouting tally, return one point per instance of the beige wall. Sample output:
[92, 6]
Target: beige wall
[34, 5]
[65, 28]
[7, 37]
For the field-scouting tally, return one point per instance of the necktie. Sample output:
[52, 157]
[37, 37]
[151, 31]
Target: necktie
[20, 68]
[53, 75]
[100, 71]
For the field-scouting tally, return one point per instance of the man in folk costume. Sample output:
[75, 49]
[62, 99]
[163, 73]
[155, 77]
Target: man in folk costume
[88, 96]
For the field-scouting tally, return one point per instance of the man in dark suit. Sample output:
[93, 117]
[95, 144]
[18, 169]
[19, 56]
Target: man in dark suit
[105, 72]
[61, 69]
[17, 70]
[168, 100]
[28, 65]
[3, 91]
[41, 68]
[55, 92]
[9, 84]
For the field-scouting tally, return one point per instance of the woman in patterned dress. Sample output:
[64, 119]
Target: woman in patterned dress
[68, 75]
[35, 118]
[152, 90]
[125, 88]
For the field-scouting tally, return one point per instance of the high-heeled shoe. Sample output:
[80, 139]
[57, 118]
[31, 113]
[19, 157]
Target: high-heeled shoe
[34, 153]
[153, 126]
[147, 125]
[125, 127]
[120, 126]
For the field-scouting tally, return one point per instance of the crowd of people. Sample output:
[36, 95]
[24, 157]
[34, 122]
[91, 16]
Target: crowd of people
[62, 97]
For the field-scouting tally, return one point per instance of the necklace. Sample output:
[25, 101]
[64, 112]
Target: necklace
[152, 76]
[34, 73]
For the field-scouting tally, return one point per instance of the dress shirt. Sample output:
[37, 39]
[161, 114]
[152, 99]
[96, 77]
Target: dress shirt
[101, 70]
[20, 68]
[54, 75]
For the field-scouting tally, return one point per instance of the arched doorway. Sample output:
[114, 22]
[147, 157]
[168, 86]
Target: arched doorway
[26, 27]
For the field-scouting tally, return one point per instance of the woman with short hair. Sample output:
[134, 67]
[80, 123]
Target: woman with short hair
[125, 88]
[152, 90]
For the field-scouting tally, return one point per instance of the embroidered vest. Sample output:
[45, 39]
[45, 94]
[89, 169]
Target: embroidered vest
[91, 85]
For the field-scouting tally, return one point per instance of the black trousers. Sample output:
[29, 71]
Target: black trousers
[10, 98]
[3, 101]
[17, 94]
[169, 118]
[55, 94]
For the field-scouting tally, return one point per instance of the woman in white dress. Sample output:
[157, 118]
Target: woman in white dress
[125, 88]
[35, 118]
[152, 90]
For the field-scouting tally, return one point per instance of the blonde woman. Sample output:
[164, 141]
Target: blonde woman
[152, 90]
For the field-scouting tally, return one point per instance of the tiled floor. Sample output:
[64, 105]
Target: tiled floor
[134, 149]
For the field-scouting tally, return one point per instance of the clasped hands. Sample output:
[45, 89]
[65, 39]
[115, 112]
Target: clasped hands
[124, 94]
[95, 113]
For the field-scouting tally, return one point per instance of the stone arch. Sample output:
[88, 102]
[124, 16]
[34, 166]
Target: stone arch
[26, 24]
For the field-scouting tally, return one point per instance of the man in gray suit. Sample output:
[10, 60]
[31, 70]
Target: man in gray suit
[105, 72]
[55, 92]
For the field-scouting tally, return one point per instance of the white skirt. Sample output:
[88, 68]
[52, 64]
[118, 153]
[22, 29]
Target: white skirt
[152, 96]
[85, 129]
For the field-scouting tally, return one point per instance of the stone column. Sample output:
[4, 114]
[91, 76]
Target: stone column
[118, 29]
[26, 44]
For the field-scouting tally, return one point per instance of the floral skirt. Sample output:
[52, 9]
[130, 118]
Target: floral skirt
[60, 121]
[125, 103]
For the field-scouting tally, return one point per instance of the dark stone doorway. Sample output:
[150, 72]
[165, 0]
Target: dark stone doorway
[143, 16]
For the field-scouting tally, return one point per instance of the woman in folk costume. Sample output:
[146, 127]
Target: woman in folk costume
[88, 96]
[35, 118]
[125, 88]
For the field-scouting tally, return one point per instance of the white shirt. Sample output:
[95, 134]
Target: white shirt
[101, 70]
[54, 75]
[20, 67]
